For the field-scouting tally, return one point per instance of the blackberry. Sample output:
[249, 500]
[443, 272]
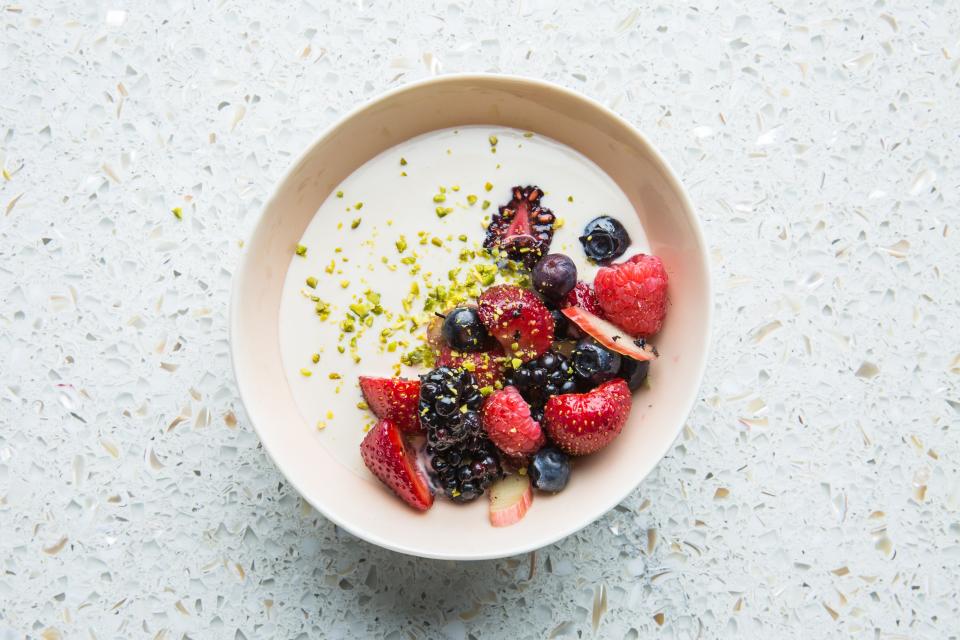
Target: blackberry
[549, 375]
[464, 472]
[447, 395]
[465, 461]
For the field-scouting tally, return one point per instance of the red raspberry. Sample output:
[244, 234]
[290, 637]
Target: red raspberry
[633, 294]
[506, 418]
[582, 296]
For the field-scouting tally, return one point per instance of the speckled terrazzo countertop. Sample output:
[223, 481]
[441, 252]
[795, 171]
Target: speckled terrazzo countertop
[815, 490]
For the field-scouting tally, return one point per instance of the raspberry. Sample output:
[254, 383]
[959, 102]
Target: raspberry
[506, 417]
[633, 294]
[584, 297]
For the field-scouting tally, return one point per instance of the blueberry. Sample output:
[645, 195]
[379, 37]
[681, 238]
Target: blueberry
[554, 276]
[463, 330]
[604, 239]
[550, 470]
[634, 372]
[593, 364]
[560, 324]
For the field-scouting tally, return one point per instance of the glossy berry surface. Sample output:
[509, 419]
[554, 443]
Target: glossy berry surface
[447, 396]
[634, 372]
[604, 239]
[465, 470]
[561, 325]
[539, 379]
[554, 276]
[582, 423]
[549, 470]
[462, 330]
[593, 364]
[518, 320]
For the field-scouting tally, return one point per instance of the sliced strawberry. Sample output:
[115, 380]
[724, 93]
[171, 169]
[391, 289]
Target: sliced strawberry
[510, 499]
[389, 458]
[507, 421]
[607, 334]
[518, 319]
[486, 366]
[582, 423]
[393, 399]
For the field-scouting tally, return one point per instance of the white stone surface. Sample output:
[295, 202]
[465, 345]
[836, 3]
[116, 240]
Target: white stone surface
[815, 491]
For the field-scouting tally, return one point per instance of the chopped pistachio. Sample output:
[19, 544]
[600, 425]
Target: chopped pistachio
[341, 348]
[442, 212]
[301, 250]
[360, 309]
[321, 425]
[514, 346]
[516, 362]
[339, 194]
[462, 237]
[439, 198]
[488, 186]
[344, 284]
[334, 376]
[6, 175]
[493, 141]
[569, 198]
[414, 288]
[528, 134]
[362, 405]
[340, 224]
[347, 325]
[403, 174]
[472, 199]
[401, 244]
[312, 282]
[306, 373]
[176, 211]
[315, 358]
[442, 189]
[355, 223]
[437, 242]
[486, 391]
[330, 267]
[403, 162]
[372, 296]
[358, 206]
[485, 205]
[455, 187]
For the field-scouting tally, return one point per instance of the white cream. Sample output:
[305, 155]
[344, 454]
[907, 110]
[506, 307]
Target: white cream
[448, 157]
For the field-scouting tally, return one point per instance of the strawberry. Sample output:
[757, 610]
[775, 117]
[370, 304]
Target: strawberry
[519, 321]
[582, 296]
[486, 366]
[633, 294]
[389, 458]
[582, 423]
[610, 336]
[506, 418]
[393, 399]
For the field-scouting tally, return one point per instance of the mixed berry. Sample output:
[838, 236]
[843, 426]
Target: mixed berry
[523, 378]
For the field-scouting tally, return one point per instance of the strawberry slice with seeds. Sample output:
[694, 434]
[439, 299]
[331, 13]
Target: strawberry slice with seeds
[393, 399]
[518, 319]
[582, 423]
[391, 459]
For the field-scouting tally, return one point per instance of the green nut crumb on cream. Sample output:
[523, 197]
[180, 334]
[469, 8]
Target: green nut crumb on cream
[312, 282]
[176, 211]
[301, 250]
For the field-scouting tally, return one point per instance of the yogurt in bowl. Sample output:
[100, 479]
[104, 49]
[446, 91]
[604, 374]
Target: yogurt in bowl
[389, 205]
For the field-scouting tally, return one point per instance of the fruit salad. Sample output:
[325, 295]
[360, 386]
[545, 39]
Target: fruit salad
[520, 379]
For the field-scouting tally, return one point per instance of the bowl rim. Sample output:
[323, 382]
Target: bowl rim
[615, 497]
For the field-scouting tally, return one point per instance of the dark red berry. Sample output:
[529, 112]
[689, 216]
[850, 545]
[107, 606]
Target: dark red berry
[522, 229]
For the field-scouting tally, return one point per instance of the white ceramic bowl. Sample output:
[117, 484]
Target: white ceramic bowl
[359, 503]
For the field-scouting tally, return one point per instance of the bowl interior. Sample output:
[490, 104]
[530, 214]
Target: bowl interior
[359, 503]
